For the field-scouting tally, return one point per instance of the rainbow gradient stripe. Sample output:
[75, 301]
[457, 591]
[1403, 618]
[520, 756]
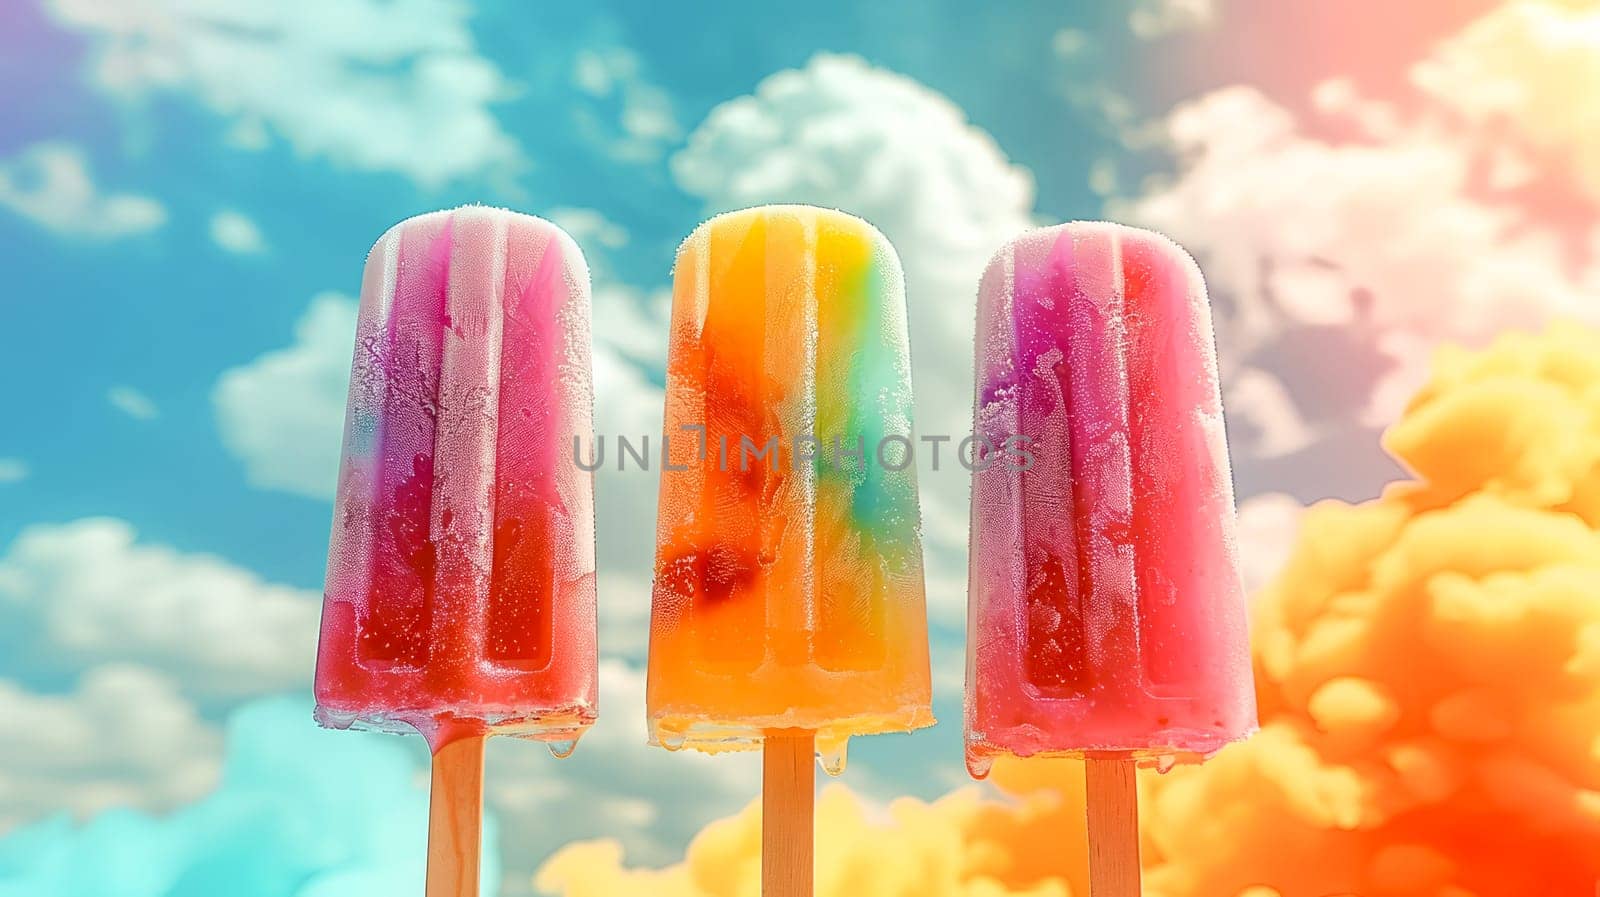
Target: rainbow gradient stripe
[789, 588]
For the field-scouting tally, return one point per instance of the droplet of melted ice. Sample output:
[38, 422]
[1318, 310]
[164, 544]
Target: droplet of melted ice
[978, 766]
[831, 754]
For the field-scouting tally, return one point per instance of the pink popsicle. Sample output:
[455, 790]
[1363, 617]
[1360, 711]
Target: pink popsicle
[1106, 612]
[460, 593]
[460, 597]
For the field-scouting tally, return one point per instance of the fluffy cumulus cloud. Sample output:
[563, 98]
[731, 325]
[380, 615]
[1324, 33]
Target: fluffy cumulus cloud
[1267, 527]
[1428, 674]
[1429, 221]
[90, 592]
[51, 184]
[235, 232]
[909, 848]
[300, 812]
[1151, 19]
[844, 134]
[631, 116]
[1445, 259]
[1263, 417]
[589, 227]
[282, 414]
[633, 409]
[124, 738]
[1532, 66]
[632, 322]
[615, 785]
[1419, 229]
[325, 76]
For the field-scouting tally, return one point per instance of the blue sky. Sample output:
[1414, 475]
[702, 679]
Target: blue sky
[188, 189]
[166, 311]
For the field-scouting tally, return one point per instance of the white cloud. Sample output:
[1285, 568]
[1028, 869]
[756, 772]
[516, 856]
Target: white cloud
[1268, 526]
[589, 226]
[843, 134]
[13, 470]
[133, 403]
[50, 184]
[235, 232]
[125, 737]
[1411, 356]
[1532, 65]
[1340, 98]
[591, 72]
[631, 406]
[633, 322]
[1398, 245]
[1430, 264]
[1071, 43]
[1428, 221]
[645, 123]
[1264, 406]
[1151, 19]
[282, 414]
[614, 785]
[395, 87]
[86, 591]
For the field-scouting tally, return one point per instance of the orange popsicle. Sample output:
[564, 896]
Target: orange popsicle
[789, 589]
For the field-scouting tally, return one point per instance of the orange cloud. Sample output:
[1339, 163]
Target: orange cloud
[1428, 668]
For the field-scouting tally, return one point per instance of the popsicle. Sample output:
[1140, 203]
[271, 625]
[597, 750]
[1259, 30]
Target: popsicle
[788, 605]
[1106, 612]
[460, 596]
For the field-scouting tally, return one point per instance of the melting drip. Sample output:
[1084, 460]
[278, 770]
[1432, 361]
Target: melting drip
[831, 754]
[978, 766]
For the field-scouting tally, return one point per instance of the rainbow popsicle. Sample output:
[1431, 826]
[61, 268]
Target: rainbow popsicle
[1106, 611]
[461, 590]
[789, 588]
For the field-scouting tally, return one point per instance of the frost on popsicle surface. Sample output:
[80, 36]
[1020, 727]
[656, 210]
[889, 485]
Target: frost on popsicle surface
[1105, 600]
[460, 584]
[788, 587]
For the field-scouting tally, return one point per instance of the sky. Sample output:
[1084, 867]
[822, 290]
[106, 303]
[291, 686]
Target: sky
[188, 189]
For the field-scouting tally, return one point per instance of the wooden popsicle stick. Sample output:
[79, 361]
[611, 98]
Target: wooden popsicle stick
[788, 780]
[455, 813]
[1113, 810]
